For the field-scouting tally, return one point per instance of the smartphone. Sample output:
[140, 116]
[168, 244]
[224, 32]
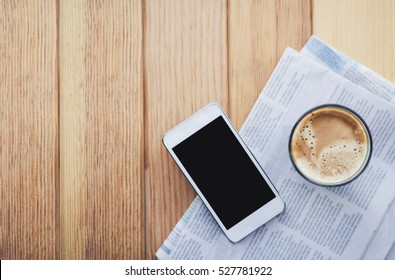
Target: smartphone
[223, 171]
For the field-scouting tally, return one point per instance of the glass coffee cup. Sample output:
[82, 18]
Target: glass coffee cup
[330, 145]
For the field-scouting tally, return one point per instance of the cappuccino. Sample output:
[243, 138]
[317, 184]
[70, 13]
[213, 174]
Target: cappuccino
[330, 145]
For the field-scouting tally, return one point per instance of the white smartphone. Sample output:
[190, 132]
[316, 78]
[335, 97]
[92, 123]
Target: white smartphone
[223, 171]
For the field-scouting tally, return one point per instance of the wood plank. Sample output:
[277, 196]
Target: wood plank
[259, 32]
[101, 144]
[29, 130]
[363, 29]
[185, 67]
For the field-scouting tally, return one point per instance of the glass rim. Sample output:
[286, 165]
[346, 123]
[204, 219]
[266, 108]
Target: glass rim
[367, 157]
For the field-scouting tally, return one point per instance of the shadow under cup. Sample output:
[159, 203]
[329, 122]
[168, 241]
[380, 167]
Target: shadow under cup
[330, 145]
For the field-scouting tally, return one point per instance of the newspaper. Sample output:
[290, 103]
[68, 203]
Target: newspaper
[338, 62]
[383, 240]
[391, 253]
[348, 68]
[319, 223]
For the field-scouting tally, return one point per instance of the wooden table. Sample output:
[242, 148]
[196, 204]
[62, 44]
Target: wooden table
[89, 87]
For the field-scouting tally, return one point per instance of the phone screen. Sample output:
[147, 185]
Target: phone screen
[224, 172]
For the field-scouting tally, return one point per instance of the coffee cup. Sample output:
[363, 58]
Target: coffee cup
[330, 145]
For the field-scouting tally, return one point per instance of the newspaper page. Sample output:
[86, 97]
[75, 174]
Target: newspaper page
[348, 68]
[391, 253]
[381, 243]
[319, 223]
[333, 59]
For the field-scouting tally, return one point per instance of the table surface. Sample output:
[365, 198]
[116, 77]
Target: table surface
[89, 87]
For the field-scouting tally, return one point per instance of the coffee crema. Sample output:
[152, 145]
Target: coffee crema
[330, 145]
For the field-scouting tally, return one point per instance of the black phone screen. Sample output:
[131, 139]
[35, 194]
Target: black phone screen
[224, 172]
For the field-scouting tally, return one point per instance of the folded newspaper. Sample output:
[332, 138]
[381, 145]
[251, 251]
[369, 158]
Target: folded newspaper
[354, 221]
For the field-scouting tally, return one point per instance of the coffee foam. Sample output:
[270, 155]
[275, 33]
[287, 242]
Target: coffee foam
[329, 145]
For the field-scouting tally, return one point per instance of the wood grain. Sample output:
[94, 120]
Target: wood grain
[101, 146]
[29, 130]
[258, 33]
[363, 29]
[89, 87]
[185, 67]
